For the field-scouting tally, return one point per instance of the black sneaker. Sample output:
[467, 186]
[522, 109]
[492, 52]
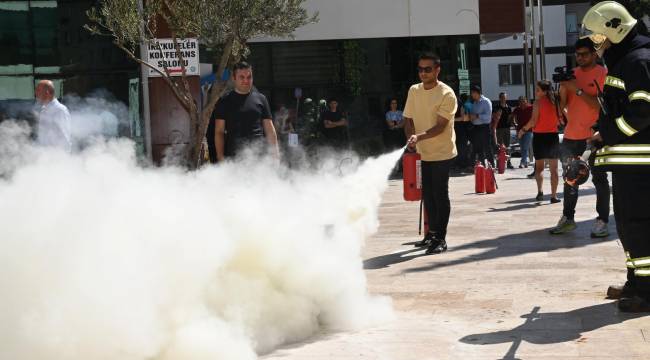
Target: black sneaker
[428, 238]
[509, 165]
[437, 246]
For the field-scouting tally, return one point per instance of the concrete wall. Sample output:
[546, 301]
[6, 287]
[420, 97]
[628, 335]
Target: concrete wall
[358, 19]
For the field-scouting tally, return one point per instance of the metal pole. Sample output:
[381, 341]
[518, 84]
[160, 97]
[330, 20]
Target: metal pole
[542, 52]
[526, 59]
[533, 45]
[144, 76]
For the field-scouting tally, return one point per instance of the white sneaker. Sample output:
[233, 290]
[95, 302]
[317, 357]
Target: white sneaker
[599, 229]
[564, 225]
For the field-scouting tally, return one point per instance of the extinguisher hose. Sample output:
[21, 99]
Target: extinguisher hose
[420, 221]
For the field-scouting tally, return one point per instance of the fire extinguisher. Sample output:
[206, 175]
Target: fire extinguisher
[479, 178]
[412, 175]
[501, 159]
[490, 180]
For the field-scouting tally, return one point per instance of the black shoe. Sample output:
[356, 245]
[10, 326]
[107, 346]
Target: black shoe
[555, 200]
[531, 175]
[540, 196]
[428, 238]
[616, 292]
[634, 304]
[509, 165]
[437, 246]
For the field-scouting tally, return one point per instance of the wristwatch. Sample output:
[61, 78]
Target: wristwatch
[579, 92]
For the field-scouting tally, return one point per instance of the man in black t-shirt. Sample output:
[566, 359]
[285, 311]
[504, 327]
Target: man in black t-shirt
[503, 126]
[335, 126]
[242, 117]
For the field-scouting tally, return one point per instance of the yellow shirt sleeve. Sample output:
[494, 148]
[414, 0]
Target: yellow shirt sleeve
[448, 106]
[408, 107]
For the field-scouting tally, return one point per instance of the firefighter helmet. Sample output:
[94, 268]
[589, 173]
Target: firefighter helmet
[609, 19]
[576, 173]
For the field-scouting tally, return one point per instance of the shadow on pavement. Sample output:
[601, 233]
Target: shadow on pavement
[583, 192]
[519, 207]
[385, 261]
[554, 327]
[523, 243]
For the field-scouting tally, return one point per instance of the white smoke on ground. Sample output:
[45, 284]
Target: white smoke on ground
[103, 259]
[96, 116]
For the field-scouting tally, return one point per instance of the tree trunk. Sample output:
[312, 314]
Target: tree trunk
[203, 118]
[196, 141]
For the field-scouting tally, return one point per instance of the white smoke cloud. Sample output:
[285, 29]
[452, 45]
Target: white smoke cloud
[103, 259]
[98, 115]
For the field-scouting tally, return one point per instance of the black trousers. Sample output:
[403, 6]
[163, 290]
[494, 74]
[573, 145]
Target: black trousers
[481, 149]
[435, 195]
[463, 135]
[632, 214]
[571, 149]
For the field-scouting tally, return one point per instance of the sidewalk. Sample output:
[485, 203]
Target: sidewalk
[506, 289]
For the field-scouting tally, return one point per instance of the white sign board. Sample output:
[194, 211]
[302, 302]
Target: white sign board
[162, 52]
[293, 140]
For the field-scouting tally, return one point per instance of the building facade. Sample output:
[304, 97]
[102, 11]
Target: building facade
[364, 52]
[502, 54]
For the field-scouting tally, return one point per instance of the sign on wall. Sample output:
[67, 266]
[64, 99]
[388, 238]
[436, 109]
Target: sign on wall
[162, 52]
[463, 81]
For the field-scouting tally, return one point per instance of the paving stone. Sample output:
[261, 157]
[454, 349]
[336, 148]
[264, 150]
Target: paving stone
[506, 289]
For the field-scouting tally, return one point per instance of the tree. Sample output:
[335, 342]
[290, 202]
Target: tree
[223, 25]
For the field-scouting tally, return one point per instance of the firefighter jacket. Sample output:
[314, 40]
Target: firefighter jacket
[624, 123]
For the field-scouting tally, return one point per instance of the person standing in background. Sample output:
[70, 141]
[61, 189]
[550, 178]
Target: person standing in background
[243, 117]
[578, 99]
[481, 117]
[53, 127]
[335, 126]
[546, 141]
[395, 124]
[503, 126]
[521, 116]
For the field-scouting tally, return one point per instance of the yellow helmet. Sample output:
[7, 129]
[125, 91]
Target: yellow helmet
[609, 19]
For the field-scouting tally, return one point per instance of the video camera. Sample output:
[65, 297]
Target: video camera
[562, 74]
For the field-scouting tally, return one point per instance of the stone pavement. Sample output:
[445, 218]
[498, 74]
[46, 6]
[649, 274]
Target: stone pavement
[506, 289]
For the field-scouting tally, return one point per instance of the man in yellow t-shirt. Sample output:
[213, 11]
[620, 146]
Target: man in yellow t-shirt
[429, 125]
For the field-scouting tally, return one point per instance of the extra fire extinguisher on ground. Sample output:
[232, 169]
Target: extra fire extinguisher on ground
[502, 159]
[484, 179]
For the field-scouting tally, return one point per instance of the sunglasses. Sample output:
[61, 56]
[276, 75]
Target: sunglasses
[427, 69]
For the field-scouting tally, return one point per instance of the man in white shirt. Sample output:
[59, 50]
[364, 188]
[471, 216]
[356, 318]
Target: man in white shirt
[53, 127]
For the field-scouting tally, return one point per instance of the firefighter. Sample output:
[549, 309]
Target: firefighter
[624, 131]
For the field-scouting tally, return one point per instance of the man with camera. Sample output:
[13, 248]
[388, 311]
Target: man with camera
[579, 103]
[624, 130]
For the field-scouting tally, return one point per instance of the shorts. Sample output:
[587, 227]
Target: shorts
[546, 146]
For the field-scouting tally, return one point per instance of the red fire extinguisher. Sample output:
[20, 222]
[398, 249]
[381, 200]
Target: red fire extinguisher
[490, 180]
[479, 178]
[411, 172]
[501, 159]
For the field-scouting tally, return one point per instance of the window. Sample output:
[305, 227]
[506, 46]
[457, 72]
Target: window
[571, 22]
[511, 74]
